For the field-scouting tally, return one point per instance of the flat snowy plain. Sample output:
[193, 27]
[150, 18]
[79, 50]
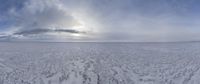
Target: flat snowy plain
[100, 63]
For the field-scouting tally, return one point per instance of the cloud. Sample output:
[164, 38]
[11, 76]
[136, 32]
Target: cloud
[42, 31]
[43, 13]
[31, 17]
[152, 20]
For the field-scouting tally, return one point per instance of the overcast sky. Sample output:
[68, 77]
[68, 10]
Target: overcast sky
[100, 20]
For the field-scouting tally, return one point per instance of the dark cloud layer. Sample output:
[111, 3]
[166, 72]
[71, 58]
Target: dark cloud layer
[42, 31]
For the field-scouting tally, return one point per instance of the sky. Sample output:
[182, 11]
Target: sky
[100, 20]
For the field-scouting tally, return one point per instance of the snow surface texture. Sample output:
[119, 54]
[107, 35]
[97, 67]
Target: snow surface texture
[100, 63]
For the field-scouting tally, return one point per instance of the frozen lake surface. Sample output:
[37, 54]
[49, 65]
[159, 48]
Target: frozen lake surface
[100, 63]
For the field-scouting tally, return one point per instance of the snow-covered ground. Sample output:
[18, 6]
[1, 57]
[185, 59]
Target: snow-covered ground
[100, 63]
